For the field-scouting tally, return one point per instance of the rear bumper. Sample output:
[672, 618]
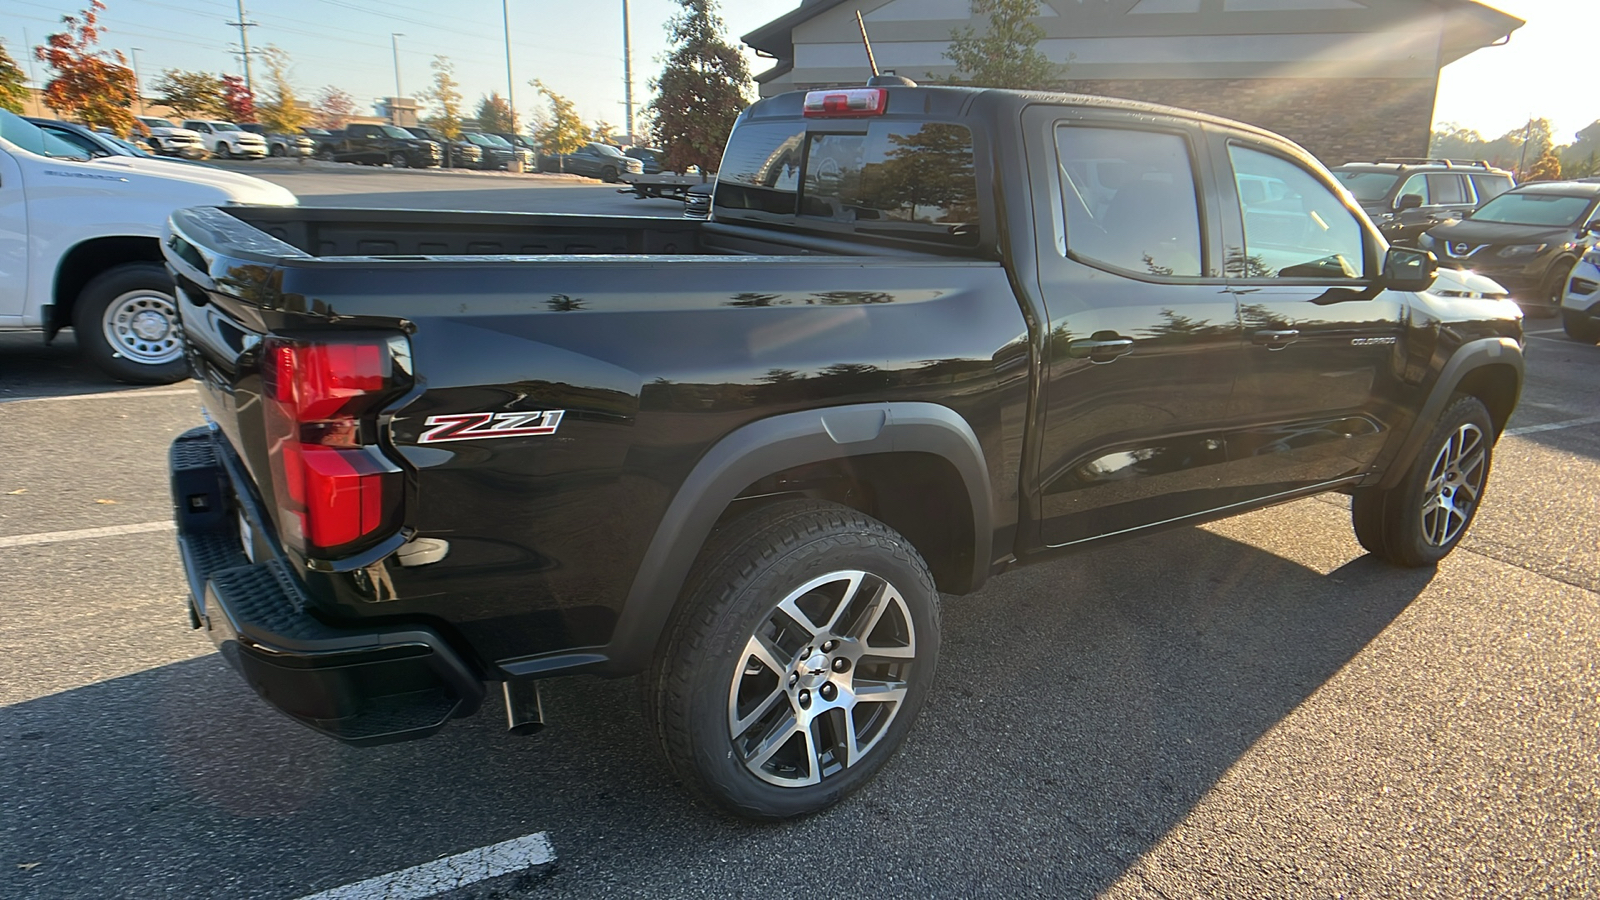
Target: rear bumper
[370, 685]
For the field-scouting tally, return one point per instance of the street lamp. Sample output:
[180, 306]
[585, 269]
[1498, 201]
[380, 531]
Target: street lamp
[138, 89]
[394, 46]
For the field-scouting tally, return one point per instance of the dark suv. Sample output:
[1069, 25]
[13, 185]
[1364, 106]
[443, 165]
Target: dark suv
[1406, 197]
[458, 152]
[1527, 239]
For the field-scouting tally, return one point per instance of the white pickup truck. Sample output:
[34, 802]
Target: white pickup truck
[80, 246]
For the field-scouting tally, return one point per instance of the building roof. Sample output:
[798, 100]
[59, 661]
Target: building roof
[1468, 26]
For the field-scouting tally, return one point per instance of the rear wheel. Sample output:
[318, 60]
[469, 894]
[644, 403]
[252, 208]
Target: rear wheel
[1420, 520]
[803, 649]
[1580, 327]
[126, 323]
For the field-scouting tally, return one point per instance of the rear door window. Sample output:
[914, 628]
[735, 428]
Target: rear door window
[1490, 186]
[1446, 189]
[1130, 200]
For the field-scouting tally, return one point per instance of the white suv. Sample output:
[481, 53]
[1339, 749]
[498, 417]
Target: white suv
[168, 139]
[228, 140]
[80, 246]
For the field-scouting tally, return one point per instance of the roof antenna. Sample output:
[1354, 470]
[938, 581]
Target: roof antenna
[878, 80]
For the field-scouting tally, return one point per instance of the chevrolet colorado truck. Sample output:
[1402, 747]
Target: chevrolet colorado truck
[927, 334]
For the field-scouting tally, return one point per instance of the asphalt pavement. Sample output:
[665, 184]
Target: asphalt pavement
[1252, 708]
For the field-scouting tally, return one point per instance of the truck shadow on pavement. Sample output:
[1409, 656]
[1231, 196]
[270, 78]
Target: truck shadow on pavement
[1083, 709]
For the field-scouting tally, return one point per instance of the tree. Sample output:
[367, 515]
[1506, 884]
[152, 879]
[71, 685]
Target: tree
[603, 131]
[1006, 54]
[282, 112]
[238, 100]
[192, 95]
[565, 132]
[333, 108]
[495, 115]
[446, 95]
[700, 92]
[95, 85]
[13, 86]
[1546, 168]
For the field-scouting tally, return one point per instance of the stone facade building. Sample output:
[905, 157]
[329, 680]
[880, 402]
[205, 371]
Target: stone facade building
[1347, 79]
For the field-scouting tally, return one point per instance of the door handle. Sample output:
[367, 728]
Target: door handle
[1100, 351]
[1276, 340]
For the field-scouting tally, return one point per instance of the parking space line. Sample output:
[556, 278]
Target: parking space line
[81, 534]
[450, 873]
[1553, 426]
[106, 395]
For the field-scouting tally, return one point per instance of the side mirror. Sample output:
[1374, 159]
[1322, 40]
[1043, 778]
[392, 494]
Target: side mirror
[1408, 201]
[1405, 269]
[1593, 227]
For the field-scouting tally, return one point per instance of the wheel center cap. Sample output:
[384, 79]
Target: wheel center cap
[814, 671]
[151, 326]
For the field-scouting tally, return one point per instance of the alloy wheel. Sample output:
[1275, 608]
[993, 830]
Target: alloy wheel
[1454, 483]
[821, 679]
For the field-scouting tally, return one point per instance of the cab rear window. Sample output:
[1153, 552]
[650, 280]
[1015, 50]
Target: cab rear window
[895, 179]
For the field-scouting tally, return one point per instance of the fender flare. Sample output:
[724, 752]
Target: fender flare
[1502, 351]
[772, 445]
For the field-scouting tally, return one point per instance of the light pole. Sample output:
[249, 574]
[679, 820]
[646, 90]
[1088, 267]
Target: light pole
[627, 70]
[511, 82]
[394, 47]
[138, 89]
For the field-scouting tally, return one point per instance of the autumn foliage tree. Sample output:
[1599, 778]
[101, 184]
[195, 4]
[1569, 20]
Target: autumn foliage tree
[238, 101]
[192, 95]
[281, 113]
[495, 115]
[446, 96]
[333, 108]
[700, 92]
[563, 131]
[13, 87]
[1006, 54]
[1546, 168]
[96, 86]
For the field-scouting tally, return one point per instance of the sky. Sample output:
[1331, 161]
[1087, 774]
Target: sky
[576, 49]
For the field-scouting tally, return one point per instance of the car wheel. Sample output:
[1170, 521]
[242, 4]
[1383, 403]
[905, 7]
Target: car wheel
[399, 161]
[278, 150]
[222, 151]
[323, 154]
[1580, 327]
[802, 650]
[126, 323]
[1551, 291]
[608, 175]
[1420, 520]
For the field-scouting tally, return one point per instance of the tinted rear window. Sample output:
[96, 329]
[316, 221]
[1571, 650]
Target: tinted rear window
[908, 180]
[1367, 187]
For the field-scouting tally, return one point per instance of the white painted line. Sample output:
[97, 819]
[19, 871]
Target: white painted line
[450, 873]
[81, 534]
[108, 395]
[1553, 426]
[1545, 331]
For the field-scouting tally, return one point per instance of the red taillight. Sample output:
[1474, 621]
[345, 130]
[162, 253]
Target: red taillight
[852, 103]
[333, 487]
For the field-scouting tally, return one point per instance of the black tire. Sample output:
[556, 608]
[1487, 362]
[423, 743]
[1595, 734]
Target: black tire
[707, 671]
[127, 302]
[399, 161]
[1580, 327]
[1551, 289]
[608, 175]
[222, 151]
[278, 150]
[1409, 524]
[323, 153]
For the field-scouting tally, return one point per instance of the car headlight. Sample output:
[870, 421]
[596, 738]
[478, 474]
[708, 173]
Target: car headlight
[1517, 251]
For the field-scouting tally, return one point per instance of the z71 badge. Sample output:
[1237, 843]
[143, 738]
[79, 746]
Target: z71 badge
[474, 426]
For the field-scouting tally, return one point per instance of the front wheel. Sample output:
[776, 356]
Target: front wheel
[1580, 327]
[608, 175]
[399, 161]
[279, 150]
[803, 649]
[1419, 521]
[223, 151]
[126, 322]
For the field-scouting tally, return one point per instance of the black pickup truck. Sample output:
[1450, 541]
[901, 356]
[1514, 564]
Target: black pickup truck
[375, 145]
[928, 334]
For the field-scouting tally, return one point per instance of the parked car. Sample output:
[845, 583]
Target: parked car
[375, 145]
[94, 143]
[1527, 239]
[80, 234]
[1408, 196]
[697, 200]
[651, 158]
[743, 458]
[521, 142]
[227, 140]
[1580, 303]
[498, 153]
[291, 146]
[460, 153]
[167, 139]
[594, 160]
